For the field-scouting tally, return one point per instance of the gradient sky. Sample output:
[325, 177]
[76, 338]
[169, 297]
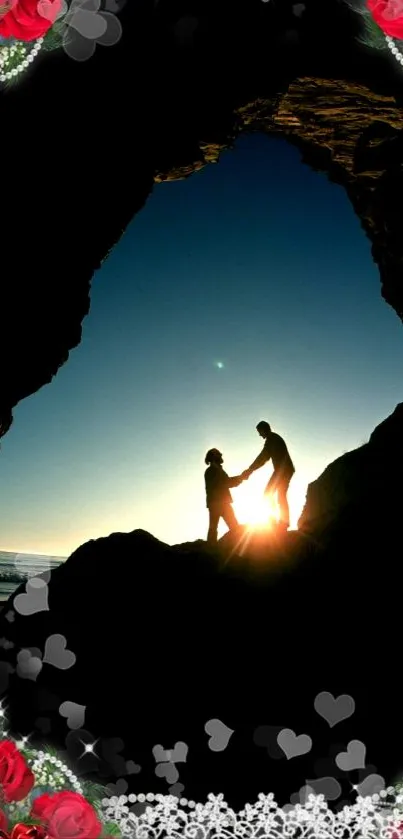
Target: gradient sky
[258, 263]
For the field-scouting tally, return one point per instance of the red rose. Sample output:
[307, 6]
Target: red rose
[28, 831]
[3, 822]
[16, 778]
[67, 815]
[27, 20]
[388, 14]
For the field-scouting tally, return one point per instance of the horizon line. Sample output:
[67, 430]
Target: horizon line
[32, 553]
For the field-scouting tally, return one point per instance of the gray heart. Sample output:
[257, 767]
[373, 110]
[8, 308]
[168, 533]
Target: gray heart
[179, 753]
[57, 654]
[167, 771]
[371, 785]
[75, 714]
[292, 745]
[334, 710]
[328, 787]
[266, 735]
[353, 758]
[114, 6]
[89, 24]
[219, 735]
[35, 598]
[132, 768]
[177, 790]
[120, 788]
[160, 754]
[300, 797]
[28, 666]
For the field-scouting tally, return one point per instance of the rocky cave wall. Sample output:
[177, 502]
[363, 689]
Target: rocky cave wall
[99, 142]
[351, 133]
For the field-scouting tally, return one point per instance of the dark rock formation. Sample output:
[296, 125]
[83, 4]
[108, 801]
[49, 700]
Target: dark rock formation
[366, 480]
[168, 638]
[160, 105]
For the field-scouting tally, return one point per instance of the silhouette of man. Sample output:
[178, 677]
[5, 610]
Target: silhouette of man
[275, 449]
[218, 496]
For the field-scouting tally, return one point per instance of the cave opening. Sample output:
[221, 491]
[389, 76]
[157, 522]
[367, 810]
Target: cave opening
[246, 291]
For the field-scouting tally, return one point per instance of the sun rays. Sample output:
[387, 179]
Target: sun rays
[257, 511]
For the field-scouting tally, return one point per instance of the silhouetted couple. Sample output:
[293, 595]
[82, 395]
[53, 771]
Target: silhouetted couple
[218, 483]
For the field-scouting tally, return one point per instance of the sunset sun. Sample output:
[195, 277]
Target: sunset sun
[257, 512]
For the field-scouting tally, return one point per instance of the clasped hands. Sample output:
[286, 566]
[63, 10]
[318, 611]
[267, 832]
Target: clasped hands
[246, 474]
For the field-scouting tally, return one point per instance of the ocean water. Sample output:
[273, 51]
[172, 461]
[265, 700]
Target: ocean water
[17, 568]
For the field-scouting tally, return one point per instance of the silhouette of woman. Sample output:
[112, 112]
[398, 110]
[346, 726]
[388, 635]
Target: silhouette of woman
[218, 496]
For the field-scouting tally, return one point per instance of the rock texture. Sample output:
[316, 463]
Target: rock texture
[161, 104]
[351, 133]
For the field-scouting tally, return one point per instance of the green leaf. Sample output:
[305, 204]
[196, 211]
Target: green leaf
[111, 829]
[94, 792]
[373, 35]
[25, 818]
[53, 41]
[55, 36]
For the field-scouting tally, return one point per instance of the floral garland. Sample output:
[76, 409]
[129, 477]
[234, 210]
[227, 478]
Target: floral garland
[383, 24]
[30, 26]
[41, 798]
[27, 812]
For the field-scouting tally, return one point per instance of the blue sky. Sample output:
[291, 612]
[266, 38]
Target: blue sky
[256, 262]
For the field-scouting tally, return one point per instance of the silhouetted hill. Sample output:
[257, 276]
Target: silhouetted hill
[182, 635]
[370, 476]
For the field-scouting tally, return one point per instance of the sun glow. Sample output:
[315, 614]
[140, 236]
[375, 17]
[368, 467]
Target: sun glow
[257, 511]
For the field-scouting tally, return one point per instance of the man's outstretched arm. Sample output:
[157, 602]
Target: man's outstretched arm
[260, 461]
